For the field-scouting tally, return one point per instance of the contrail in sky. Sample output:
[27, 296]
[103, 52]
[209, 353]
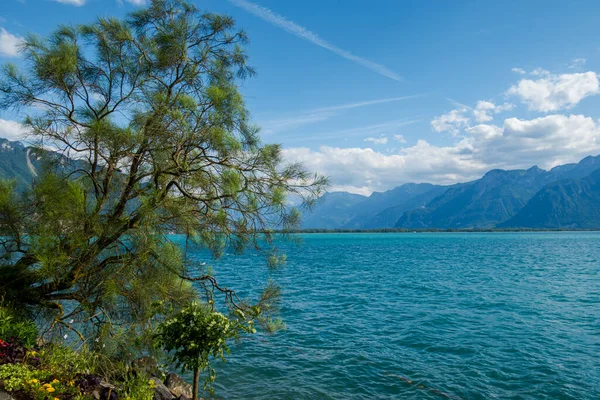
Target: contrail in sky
[367, 103]
[323, 113]
[303, 33]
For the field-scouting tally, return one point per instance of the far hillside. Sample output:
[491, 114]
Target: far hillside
[565, 197]
[501, 198]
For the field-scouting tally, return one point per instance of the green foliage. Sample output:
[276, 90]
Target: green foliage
[36, 383]
[52, 389]
[276, 260]
[153, 137]
[14, 326]
[137, 387]
[197, 333]
[66, 363]
[18, 376]
[55, 371]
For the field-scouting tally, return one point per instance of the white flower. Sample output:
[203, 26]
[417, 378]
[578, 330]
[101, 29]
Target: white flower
[66, 336]
[71, 321]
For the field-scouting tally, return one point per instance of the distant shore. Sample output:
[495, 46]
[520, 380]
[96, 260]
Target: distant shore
[432, 230]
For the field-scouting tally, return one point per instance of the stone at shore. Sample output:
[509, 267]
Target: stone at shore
[178, 386]
[161, 392]
[5, 396]
[105, 391]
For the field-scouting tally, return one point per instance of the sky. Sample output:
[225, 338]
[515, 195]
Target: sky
[375, 94]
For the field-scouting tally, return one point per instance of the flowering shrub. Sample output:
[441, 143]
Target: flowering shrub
[53, 389]
[21, 377]
[18, 376]
[194, 335]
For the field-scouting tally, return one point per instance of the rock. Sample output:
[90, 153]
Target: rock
[178, 386]
[105, 391]
[161, 392]
[147, 366]
[87, 383]
[5, 396]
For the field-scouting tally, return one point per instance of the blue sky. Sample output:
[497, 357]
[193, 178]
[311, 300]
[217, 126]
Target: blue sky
[379, 93]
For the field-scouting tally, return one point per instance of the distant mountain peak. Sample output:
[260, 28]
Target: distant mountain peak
[495, 198]
[565, 196]
[483, 203]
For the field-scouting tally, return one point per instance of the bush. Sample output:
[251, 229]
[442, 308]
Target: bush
[65, 363]
[18, 376]
[22, 378]
[13, 326]
[138, 387]
[197, 333]
[57, 371]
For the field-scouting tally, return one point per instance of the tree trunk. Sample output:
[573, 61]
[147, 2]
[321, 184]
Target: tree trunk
[195, 384]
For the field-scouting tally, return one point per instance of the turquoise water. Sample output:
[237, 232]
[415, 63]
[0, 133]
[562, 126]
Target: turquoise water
[425, 316]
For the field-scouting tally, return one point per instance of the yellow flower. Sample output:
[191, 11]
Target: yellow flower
[56, 381]
[33, 381]
[70, 383]
[50, 389]
[47, 385]
[56, 398]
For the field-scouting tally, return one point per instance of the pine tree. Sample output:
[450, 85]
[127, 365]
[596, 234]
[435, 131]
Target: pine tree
[147, 134]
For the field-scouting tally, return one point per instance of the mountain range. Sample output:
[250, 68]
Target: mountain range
[565, 197]
[18, 162]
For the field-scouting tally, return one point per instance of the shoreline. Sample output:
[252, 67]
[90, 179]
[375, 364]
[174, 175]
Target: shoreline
[432, 230]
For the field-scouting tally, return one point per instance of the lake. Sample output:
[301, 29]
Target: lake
[424, 316]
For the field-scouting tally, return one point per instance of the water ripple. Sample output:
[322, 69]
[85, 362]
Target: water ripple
[425, 316]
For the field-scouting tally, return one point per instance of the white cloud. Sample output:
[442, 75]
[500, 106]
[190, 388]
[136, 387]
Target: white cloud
[478, 144]
[9, 43]
[400, 138]
[77, 3]
[484, 109]
[303, 33]
[577, 63]
[555, 92]
[540, 72]
[520, 71]
[377, 140]
[11, 130]
[451, 122]
[547, 141]
[363, 170]
[484, 131]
